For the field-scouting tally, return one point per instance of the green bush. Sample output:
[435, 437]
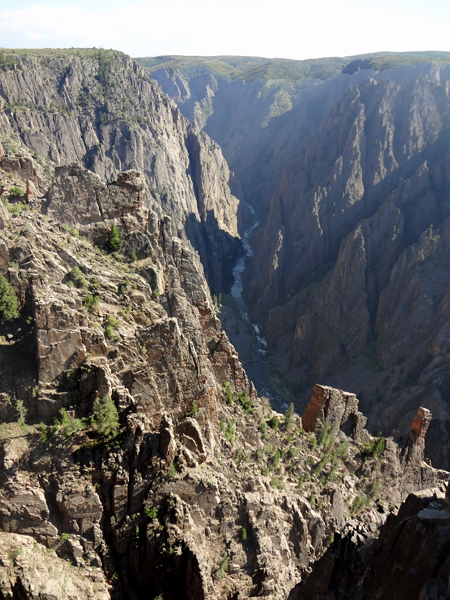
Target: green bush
[68, 425]
[246, 403]
[42, 428]
[16, 191]
[113, 239]
[229, 434]
[357, 504]
[326, 438]
[106, 418]
[9, 306]
[276, 458]
[274, 423]
[223, 565]
[172, 470]
[91, 302]
[76, 276]
[21, 411]
[244, 534]
[277, 482]
[373, 448]
[289, 416]
[151, 513]
[228, 393]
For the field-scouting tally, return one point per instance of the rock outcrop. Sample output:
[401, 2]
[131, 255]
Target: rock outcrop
[339, 408]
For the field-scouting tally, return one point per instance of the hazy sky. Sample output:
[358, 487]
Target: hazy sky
[285, 29]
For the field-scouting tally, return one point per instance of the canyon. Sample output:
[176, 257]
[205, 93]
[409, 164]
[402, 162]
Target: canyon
[138, 459]
[346, 171]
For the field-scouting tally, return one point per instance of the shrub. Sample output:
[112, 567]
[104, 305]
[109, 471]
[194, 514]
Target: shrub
[276, 458]
[246, 403]
[325, 438]
[76, 276]
[373, 489]
[357, 504]
[68, 425]
[113, 239]
[133, 256]
[65, 536]
[277, 482]
[292, 453]
[91, 302]
[289, 416]
[16, 191]
[228, 393]
[223, 565]
[274, 423]
[229, 434]
[9, 306]
[21, 411]
[373, 448]
[194, 410]
[155, 294]
[244, 534]
[151, 513]
[42, 428]
[109, 331]
[113, 321]
[172, 470]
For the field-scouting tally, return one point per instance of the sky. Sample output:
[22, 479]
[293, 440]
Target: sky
[285, 29]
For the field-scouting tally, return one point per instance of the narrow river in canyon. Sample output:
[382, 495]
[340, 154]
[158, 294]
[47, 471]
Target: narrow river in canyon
[256, 363]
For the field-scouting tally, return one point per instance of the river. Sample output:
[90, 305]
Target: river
[257, 365]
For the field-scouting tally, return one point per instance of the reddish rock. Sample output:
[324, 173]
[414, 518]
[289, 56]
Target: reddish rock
[336, 406]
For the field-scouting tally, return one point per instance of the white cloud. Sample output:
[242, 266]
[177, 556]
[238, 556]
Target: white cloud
[289, 29]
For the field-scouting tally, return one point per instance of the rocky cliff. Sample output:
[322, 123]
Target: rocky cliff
[134, 450]
[355, 249]
[97, 108]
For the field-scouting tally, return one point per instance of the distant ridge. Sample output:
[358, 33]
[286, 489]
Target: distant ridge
[250, 68]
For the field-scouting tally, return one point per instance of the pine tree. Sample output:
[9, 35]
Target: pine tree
[9, 308]
[113, 239]
[288, 416]
[105, 415]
